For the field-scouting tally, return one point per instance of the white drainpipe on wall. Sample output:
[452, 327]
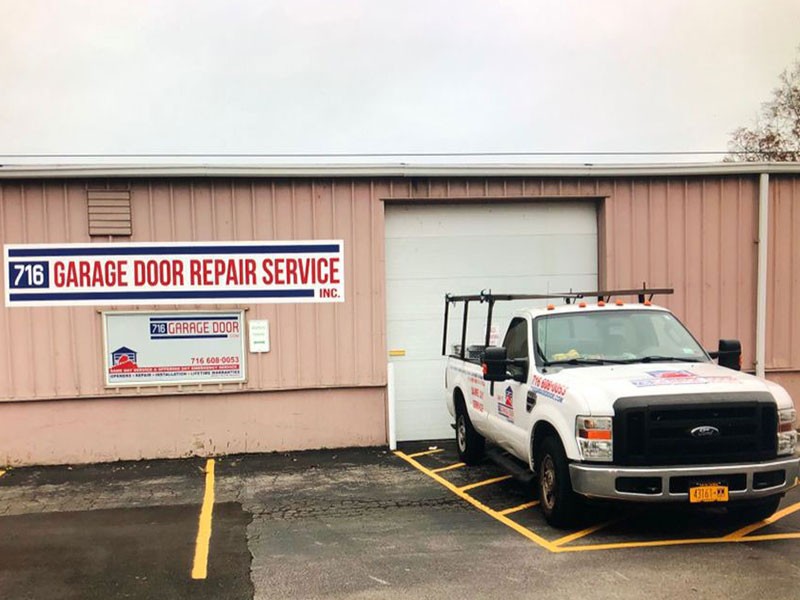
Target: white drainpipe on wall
[761, 274]
[391, 406]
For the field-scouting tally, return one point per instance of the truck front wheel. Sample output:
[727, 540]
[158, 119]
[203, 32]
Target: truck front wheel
[559, 504]
[470, 443]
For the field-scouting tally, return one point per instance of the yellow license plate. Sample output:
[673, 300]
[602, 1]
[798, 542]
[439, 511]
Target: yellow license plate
[708, 493]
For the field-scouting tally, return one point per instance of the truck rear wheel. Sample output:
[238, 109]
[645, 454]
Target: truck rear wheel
[560, 505]
[755, 511]
[469, 442]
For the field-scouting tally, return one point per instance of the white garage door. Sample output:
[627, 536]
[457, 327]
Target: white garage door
[435, 249]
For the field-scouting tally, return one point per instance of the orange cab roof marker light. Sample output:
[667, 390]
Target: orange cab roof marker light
[601, 303]
[618, 302]
[551, 307]
[582, 305]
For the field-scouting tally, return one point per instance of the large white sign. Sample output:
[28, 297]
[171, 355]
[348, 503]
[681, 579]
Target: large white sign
[167, 348]
[174, 273]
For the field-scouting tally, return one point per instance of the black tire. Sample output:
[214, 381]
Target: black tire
[560, 505]
[753, 512]
[470, 443]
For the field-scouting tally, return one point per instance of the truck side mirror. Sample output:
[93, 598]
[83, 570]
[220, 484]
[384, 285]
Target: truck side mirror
[494, 364]
[729, 354]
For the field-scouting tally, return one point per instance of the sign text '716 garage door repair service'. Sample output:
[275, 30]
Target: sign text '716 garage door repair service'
[174, 273]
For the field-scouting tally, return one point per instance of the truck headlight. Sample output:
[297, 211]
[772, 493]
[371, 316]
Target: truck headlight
[594, 435]
[787, 434]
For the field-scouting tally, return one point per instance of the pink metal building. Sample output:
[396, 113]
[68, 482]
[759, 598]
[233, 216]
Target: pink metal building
[726, 237]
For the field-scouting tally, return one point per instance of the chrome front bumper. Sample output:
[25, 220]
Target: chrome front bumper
[600, 481]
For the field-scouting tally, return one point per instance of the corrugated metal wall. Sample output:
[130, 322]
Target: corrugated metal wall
[696, 234]
[783, 280]
[56, 352]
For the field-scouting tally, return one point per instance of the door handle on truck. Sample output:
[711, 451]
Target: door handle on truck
[530, 400]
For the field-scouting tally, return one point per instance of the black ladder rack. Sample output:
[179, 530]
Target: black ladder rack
[644, 293]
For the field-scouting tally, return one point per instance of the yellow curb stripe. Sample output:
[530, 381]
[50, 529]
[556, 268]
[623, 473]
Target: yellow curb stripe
[583, 533]
[448, 468]
[425, 453]
[768, 521]
[472, 486]
[477, 504]
[200, 565]
[514, 509]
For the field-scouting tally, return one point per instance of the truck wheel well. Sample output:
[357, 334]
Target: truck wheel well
[541, 431]
[458, 399]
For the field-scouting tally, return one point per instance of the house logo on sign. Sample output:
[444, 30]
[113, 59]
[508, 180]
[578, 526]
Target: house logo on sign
[123, 359]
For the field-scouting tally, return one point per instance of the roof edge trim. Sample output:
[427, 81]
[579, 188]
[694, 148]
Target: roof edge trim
[394, 170]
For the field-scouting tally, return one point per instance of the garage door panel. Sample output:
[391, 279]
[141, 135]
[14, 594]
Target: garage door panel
[421, 409]
[424, 420]
[432, 250]
[416, 336]
[424, 298]
[502, 256]
[537, 218]
[416, 387]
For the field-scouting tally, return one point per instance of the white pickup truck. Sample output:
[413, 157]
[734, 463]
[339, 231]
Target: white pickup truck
[618, 401]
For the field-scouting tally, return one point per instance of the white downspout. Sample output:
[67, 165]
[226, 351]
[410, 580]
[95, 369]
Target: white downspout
[391, 406]
[761, 274]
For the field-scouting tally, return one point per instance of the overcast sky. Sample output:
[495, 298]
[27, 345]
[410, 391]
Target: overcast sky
[381, 76]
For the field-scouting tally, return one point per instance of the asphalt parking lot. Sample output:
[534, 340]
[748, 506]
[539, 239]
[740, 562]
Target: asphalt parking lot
[362, 523]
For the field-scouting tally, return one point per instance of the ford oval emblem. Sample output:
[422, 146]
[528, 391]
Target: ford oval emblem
[705, 431]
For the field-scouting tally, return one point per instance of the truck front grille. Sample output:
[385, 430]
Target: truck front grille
[657, 430]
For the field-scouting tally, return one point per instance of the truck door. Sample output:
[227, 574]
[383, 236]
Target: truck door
[507, 414]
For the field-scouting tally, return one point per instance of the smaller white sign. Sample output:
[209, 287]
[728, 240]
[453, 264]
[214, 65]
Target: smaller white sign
[174, 347]
[258, 334]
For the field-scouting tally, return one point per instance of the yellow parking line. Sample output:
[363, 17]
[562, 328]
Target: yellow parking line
[426, 452]
[769, 536]
[200, 565]
[478, 504]
[583, 533]
[555, 547]
[472, 486]
[513, 509]
[684, 542]
[768, 521]
[448, 468]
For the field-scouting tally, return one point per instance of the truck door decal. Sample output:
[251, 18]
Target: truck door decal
[669, 377]
[476, 392]
[505, 405]
[548, 389]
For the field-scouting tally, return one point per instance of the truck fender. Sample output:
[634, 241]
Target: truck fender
[457, 387]
[545, 427]
[456, 397]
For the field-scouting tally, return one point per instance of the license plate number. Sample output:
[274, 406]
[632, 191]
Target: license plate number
[708, 493]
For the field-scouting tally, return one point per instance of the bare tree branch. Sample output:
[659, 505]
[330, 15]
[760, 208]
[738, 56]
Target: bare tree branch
[775, 136]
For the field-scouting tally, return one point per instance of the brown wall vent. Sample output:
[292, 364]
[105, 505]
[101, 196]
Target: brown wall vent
[109, 212]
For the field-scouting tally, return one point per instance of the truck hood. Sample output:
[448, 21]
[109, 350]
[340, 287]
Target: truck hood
[600, 386]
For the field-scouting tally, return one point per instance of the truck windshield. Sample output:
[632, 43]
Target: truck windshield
[615, 336]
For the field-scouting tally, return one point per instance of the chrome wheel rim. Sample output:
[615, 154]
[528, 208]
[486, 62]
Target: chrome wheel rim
[548, 482]
[461, 433]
